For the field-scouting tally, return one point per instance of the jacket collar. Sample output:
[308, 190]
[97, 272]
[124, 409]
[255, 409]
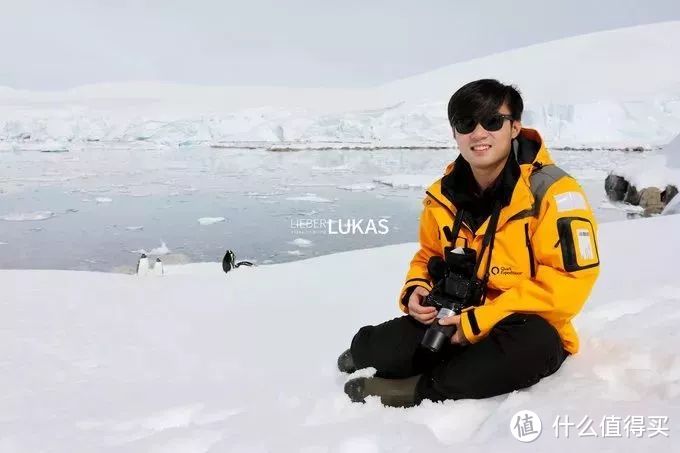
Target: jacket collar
[460, 187]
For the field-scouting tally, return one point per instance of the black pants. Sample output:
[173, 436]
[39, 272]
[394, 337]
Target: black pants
[518, 352]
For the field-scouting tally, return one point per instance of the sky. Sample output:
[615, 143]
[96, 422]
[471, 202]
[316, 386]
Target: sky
[60, 44]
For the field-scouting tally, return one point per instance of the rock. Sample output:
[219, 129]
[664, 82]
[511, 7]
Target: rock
[615, 187]
[668, 194]
[632, 196]
[650, 200]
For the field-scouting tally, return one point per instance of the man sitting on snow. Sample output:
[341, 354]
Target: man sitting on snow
[537, 262]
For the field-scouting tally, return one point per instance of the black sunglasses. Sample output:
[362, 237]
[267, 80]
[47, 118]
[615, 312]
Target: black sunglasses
[492, 123]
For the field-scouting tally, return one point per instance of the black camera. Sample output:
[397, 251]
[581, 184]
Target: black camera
[456, 287]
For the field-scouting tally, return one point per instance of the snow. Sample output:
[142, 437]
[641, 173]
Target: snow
[210, 220]
[672, 152]
[162, 250]
[659, 169]
[673, 207]
[607, 101]
[103, 200]
[311, 198]
[402, 181]
[28, 216]
[301, 242]
[359, 187]
[110, 362]
[621, 206]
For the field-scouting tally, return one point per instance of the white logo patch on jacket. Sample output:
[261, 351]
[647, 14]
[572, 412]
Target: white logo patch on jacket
[568, 201]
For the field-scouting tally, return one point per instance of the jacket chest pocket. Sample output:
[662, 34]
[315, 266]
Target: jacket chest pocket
[513, 256]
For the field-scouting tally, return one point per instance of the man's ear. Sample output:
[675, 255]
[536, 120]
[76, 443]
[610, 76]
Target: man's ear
[516, 128]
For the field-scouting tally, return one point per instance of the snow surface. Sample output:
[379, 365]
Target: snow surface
[673, 207]
[198, 361]
[210, 220]
[672, 152]
[580, 91]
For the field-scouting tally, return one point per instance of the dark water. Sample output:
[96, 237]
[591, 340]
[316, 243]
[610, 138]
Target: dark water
[96, 236]
[167, 191]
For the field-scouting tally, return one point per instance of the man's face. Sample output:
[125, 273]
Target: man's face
[483, 149]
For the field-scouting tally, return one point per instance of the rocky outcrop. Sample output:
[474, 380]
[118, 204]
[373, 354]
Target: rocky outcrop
[616, 187]
[668, 194]
[652, 199]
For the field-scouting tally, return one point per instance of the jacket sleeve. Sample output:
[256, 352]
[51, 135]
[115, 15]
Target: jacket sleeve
[565, 247]
[428, 236]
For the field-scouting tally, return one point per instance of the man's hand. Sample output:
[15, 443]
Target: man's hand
[458, 337]
[415, 308]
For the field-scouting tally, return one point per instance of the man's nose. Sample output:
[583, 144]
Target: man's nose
[479, 133]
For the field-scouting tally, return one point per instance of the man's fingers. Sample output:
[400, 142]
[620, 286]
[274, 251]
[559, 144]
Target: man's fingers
[450, 320]
[428, 319]
[415, 306]
[428, 316]
[424, 318]
[424, 311]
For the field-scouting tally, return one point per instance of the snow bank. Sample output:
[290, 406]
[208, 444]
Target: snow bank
[658, 170]
[672, 152]
[200, 361]
[673, 207]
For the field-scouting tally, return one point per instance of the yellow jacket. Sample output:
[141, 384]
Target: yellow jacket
[544, 261]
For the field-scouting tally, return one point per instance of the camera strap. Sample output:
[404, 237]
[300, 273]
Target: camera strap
[457, 223]
[488, 242]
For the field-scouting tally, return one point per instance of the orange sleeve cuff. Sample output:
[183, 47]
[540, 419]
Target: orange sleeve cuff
[410, 283]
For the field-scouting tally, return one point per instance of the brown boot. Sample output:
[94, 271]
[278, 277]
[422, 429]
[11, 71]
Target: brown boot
[392, 392]
[346, 362]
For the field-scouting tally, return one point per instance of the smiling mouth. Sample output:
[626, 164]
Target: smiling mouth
[480, 147]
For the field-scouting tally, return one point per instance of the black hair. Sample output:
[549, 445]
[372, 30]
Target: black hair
[483, 98]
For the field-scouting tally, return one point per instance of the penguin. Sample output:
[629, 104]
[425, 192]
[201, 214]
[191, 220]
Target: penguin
[143, 265]
[158, 267]
[229, 262]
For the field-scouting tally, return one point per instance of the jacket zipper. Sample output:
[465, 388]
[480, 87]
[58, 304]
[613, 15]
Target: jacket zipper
[530, 249]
